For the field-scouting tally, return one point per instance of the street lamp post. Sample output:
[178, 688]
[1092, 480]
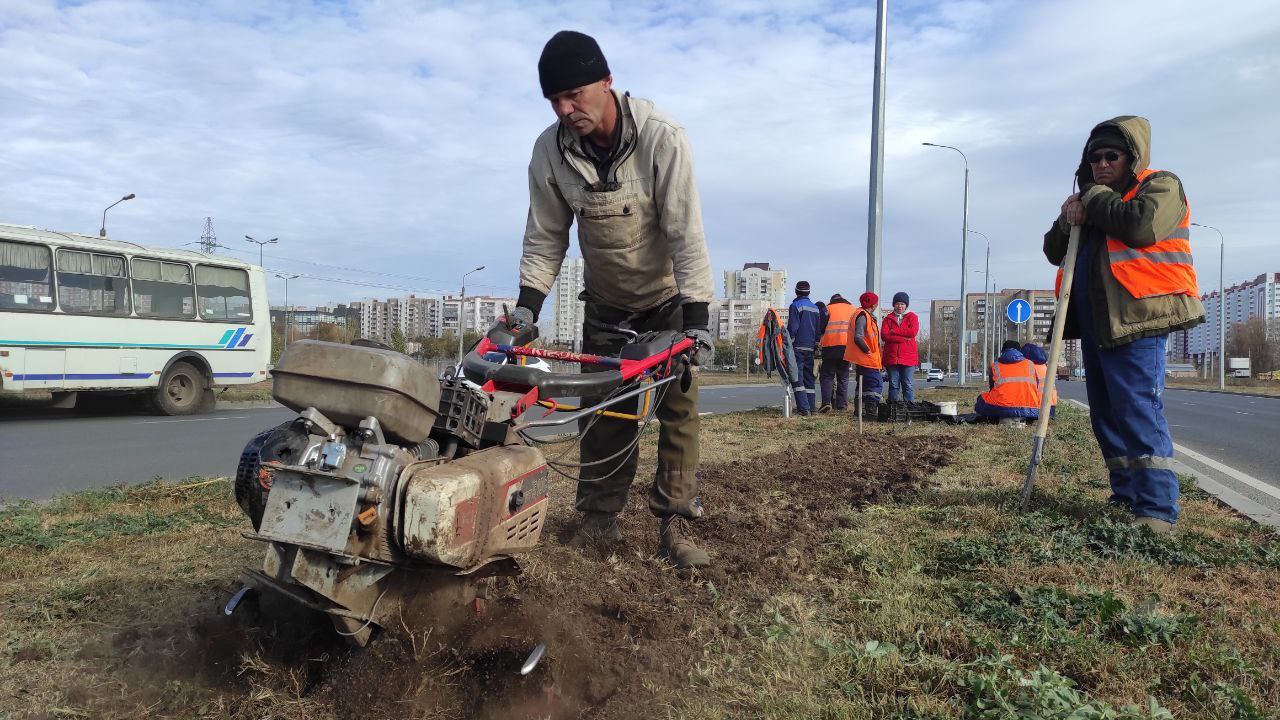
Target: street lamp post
[261, 243]
[1222, 309]
[102, 231]
[288, 312]
[964, 259]
[986, 322]
[462, 304]
[988, 351]
[875, 198]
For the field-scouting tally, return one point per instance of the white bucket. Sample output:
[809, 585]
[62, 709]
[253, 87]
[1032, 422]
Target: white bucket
[947, 407]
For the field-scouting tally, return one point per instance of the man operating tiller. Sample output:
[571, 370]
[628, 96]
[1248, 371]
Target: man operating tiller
[624, 170]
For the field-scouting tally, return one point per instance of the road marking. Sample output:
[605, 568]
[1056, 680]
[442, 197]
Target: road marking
[704, 414]
[162, 422]
[1241, 412]
[1230, 472]
[1256, 484]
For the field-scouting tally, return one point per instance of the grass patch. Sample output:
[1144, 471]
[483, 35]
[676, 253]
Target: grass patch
[253, 392]
[939, 601]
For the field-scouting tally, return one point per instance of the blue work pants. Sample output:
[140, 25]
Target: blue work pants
[806, 392]
[900, 383]
[1126, 409]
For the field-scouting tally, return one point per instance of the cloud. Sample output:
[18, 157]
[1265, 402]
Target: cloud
[393, 137]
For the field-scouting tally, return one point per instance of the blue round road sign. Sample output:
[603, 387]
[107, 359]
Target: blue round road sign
[1018, 311]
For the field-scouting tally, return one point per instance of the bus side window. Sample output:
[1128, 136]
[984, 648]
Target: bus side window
[92, 283]
[162, 289]
[26, 276]
[223, 294]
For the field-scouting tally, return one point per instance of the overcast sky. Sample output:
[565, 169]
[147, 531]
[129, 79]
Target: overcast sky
[387, 142]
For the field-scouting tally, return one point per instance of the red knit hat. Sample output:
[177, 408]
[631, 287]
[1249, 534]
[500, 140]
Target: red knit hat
[868, 300]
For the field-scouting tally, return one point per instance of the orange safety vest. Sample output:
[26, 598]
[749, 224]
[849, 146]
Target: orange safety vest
[839, 321]
[853, 353]
[1162, 268]
[1015, 385]
[1041, 372]
[777, 340]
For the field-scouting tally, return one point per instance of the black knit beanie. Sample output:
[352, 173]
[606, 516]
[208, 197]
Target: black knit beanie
[1107, 136]
[903, 298]
[570, 59]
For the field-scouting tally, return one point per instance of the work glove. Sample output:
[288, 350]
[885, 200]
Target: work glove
[519, 317]
[704, 351]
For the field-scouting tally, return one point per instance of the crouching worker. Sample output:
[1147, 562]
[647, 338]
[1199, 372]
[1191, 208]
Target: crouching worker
[863, 350]
[1015, 389]
[1036, 355]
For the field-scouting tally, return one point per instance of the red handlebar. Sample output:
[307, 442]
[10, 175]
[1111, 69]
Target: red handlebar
[663, 351]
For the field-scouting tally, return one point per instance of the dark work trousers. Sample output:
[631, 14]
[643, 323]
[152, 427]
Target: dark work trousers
[604, 487]
[1125, 385]
[835, 378]
[806, 394]
[872, 386]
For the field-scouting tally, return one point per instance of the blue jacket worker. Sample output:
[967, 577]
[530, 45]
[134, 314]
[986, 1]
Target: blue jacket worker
[804, 324]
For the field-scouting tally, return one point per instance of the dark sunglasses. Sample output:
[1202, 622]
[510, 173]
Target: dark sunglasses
[1110, 156]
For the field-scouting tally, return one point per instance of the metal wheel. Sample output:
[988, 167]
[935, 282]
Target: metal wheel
[180, 391]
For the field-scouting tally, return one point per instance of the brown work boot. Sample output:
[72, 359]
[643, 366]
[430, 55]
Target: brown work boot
[1158, 526]
[826, 408]
[676, 546]
[597, 528]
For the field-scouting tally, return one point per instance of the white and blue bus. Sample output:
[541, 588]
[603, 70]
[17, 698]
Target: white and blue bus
[81, 314]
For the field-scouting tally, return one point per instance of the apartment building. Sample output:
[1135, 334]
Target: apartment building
[1244, 301]
[427, 317]
[568, 312]
[732, 318]
[757, 281]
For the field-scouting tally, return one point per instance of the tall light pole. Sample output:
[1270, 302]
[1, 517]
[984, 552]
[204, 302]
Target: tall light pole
[875, 199]
[288, 312]
[462, 304]
[987, 350]
[102, 231]
[1222, 309]
[986, 322]
[964, 259]
[261, 243]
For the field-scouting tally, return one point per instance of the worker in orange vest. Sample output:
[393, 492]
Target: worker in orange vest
[834, 377]
[1134, 283]
[1015, 388]
[863, 350]
[1036, 354]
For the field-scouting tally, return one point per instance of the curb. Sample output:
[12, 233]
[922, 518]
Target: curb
[1248, 507]
[1224, 392]
[246, 404]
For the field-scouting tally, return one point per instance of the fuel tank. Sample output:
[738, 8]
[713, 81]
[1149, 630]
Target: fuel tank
[462, 513]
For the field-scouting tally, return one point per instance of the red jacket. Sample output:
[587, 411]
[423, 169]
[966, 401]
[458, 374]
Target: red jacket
[899, 339]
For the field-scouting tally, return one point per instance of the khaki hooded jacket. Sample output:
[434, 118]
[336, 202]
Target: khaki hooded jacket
[1157, 209]
[639, 228]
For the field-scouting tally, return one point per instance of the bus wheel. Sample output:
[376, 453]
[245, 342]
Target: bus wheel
[181, 390]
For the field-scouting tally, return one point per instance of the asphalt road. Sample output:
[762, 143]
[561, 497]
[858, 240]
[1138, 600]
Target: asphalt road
[50, 452]
[1238, 430]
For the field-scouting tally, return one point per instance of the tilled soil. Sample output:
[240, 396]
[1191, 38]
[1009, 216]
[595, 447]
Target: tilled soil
[622, 629]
